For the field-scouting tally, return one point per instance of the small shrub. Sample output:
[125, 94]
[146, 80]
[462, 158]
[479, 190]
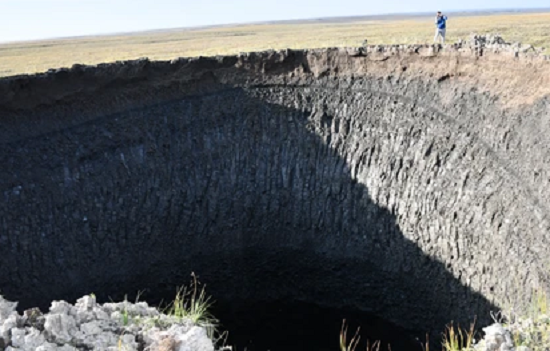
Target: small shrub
[458, 339]
[193, 303]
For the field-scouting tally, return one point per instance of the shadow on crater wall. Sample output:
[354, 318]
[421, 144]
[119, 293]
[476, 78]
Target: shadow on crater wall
[234, 185]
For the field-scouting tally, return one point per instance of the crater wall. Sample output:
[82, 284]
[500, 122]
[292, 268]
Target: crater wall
[409, 182]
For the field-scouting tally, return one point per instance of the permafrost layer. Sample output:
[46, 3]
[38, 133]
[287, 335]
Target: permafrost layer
[407, 181]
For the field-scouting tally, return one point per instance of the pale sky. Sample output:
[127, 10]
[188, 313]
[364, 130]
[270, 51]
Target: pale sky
[39, 19]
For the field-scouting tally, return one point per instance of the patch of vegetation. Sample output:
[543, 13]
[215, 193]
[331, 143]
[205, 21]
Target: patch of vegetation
[352, 344]
[192, 303]
[457, 339]
[30, 57]
[531, 330]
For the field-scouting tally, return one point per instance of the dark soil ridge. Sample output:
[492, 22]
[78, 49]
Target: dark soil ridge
[32, 90]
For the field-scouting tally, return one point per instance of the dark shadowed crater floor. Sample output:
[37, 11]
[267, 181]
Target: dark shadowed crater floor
[287, 326]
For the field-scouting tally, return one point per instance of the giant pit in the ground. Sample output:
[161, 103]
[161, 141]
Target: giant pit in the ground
[406, 184]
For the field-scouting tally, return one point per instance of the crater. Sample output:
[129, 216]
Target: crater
[303, 187]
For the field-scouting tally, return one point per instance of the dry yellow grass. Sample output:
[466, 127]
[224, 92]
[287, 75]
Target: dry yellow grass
[16, 58]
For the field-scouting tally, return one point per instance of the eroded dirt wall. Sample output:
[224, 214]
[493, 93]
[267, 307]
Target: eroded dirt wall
[410, 182]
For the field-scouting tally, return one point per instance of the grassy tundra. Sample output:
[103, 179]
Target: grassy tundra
[29, 57]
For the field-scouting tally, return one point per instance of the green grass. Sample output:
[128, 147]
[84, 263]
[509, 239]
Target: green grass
[125, 316]
[457, 339]
[192, 303]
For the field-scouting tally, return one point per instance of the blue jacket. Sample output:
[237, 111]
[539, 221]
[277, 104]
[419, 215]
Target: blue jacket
[441, 22]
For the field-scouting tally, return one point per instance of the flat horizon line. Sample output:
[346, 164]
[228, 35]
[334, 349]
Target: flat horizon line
[328, 19]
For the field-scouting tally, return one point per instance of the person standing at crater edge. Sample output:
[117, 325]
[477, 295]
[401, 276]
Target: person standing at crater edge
[440, 27]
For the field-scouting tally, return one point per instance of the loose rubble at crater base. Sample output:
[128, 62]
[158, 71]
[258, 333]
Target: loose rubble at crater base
[88, 325]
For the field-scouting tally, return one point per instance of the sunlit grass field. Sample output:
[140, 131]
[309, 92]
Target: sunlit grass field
[29, 57]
